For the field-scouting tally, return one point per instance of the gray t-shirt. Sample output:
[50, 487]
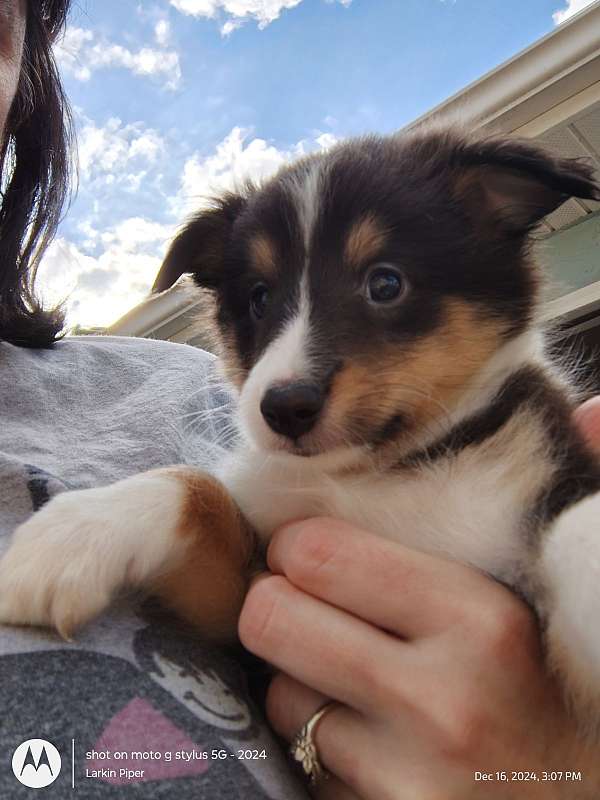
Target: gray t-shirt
[132, 694]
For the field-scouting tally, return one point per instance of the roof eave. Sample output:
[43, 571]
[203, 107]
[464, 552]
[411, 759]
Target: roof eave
[551, 70]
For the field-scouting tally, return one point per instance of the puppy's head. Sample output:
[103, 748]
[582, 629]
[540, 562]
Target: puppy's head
[359, 291]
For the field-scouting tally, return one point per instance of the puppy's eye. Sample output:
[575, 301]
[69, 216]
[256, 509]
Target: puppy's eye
[259, 297]
[384, 285]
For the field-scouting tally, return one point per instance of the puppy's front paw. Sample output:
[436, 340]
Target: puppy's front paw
[53, 573]
[69, 559]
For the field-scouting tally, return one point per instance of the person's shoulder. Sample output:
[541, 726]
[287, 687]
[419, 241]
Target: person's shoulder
[154, 351]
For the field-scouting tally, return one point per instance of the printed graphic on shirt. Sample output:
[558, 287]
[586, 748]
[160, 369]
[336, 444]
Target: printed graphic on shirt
[137, 730]
[42, 486]
[109, 707]
[210, 690]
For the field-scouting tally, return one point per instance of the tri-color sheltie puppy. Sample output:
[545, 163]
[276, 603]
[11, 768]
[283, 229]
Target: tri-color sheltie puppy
[377, 307]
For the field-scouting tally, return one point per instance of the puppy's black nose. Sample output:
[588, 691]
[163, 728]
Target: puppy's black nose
[292, 410]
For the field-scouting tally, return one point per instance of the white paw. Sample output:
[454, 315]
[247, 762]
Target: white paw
[53, 572]
[66, 563]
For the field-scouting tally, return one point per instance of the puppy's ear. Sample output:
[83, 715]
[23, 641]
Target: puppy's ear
[513, 184]
[200, 246]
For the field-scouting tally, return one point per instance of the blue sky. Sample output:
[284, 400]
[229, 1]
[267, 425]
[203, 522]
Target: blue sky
[174, 99]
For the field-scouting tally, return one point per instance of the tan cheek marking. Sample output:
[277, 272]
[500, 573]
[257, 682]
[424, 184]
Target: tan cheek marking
[364, 242]
[230, 364]
[423, 380]
[447, 360]
[218, 340]
[209, 588]
[263, 255]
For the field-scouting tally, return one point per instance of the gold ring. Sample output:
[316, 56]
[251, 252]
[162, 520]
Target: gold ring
[303, 748]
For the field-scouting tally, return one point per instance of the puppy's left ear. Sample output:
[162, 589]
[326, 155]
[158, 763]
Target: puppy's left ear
[199, 247]
[515, 183]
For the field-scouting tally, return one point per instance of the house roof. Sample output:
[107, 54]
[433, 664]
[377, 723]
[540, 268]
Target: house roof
[550, 91]
[554, 69]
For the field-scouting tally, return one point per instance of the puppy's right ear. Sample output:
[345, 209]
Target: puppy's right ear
[199, 248]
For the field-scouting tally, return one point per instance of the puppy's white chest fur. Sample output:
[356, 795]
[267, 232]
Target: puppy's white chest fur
[468, 507]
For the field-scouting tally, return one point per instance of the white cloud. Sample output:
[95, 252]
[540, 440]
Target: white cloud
[80, 53]
[99, 290]
[573, 7]
[68, 52]
[230, 26]
[162, 32]
[137, 233]
[263, 11]
[116, 152]
[103, 269]
[326, 140]
[237, 158]
[232, 163]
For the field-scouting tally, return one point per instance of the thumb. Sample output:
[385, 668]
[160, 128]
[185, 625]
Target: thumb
[587, 418]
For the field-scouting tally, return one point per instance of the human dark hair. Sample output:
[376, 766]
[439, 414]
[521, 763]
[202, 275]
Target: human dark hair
[34, 169]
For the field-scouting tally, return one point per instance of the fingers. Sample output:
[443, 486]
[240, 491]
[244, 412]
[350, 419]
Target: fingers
[587, 417]
[365, 761]
[290, 705]
[333, 789]
[338, 655]
[397, 589]
[339, 737]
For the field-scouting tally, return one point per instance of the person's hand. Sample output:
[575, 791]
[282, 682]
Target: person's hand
[587, 417]
[436, 667]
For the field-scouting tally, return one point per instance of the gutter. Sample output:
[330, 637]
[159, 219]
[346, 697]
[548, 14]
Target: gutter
[156, 311]
[562, 63]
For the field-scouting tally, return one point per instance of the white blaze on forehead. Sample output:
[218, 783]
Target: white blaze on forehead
[285, 360]
[306, 194]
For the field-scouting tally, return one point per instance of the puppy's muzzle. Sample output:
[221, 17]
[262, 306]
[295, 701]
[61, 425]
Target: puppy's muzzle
[292, 409]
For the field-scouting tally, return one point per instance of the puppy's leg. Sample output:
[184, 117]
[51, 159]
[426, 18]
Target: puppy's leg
[151, 530]
[571, 575]
[208, 586]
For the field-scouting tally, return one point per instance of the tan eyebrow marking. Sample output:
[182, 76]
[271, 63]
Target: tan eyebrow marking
[263, 255]
[365, 241]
